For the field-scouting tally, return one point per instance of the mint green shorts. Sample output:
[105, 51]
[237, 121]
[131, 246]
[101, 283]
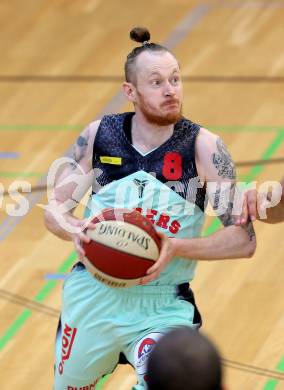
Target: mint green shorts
[100, 324]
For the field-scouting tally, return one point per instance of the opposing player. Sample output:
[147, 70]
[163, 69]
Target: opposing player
[255, 202]
[164, 165]
[184, 359]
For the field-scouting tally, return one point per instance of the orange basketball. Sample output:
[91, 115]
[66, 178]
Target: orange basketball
[123, 246]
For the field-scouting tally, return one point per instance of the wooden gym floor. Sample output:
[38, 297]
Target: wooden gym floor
[231, 53]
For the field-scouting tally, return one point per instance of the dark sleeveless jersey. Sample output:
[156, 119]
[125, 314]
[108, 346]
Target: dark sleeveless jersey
[162, 184]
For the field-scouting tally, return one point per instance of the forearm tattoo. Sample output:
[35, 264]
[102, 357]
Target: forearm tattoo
[225, 198]
[250, 230]
[227, 218]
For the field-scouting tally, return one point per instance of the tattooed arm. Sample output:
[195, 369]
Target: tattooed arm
[215, 168]
[73, 180]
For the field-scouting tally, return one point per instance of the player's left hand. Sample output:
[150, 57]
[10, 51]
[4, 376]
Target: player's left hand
[249, 208]
[254, 206]
[166, 254]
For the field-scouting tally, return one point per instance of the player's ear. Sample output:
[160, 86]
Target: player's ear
[129, 91]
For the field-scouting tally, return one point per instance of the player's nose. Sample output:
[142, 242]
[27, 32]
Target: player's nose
[169, 89]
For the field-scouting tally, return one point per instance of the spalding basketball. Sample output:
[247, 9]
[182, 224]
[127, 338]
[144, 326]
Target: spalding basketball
[123, 246]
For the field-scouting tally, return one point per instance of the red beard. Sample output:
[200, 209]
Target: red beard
[169, 118]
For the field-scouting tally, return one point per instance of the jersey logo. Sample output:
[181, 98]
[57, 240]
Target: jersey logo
[141, 184]
[111, 160]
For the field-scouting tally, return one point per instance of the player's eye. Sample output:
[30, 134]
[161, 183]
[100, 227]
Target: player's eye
[156, 82]
[175, 80]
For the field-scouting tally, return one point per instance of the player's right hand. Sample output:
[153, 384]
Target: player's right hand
[167, 253]
[80, 236]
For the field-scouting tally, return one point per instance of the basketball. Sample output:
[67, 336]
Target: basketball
[123, 246]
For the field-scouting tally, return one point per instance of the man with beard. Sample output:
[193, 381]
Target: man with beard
[158, 162]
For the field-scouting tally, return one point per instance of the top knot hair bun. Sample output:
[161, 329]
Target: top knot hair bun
[140, 34]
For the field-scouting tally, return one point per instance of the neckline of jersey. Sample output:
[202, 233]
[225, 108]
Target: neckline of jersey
[153, 151]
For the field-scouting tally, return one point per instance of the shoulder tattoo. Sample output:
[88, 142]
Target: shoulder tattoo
[80, 147]
[223, 161]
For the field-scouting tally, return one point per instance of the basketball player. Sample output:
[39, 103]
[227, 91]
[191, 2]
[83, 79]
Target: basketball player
[159, 162]
[254, 202]
[184, 359]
